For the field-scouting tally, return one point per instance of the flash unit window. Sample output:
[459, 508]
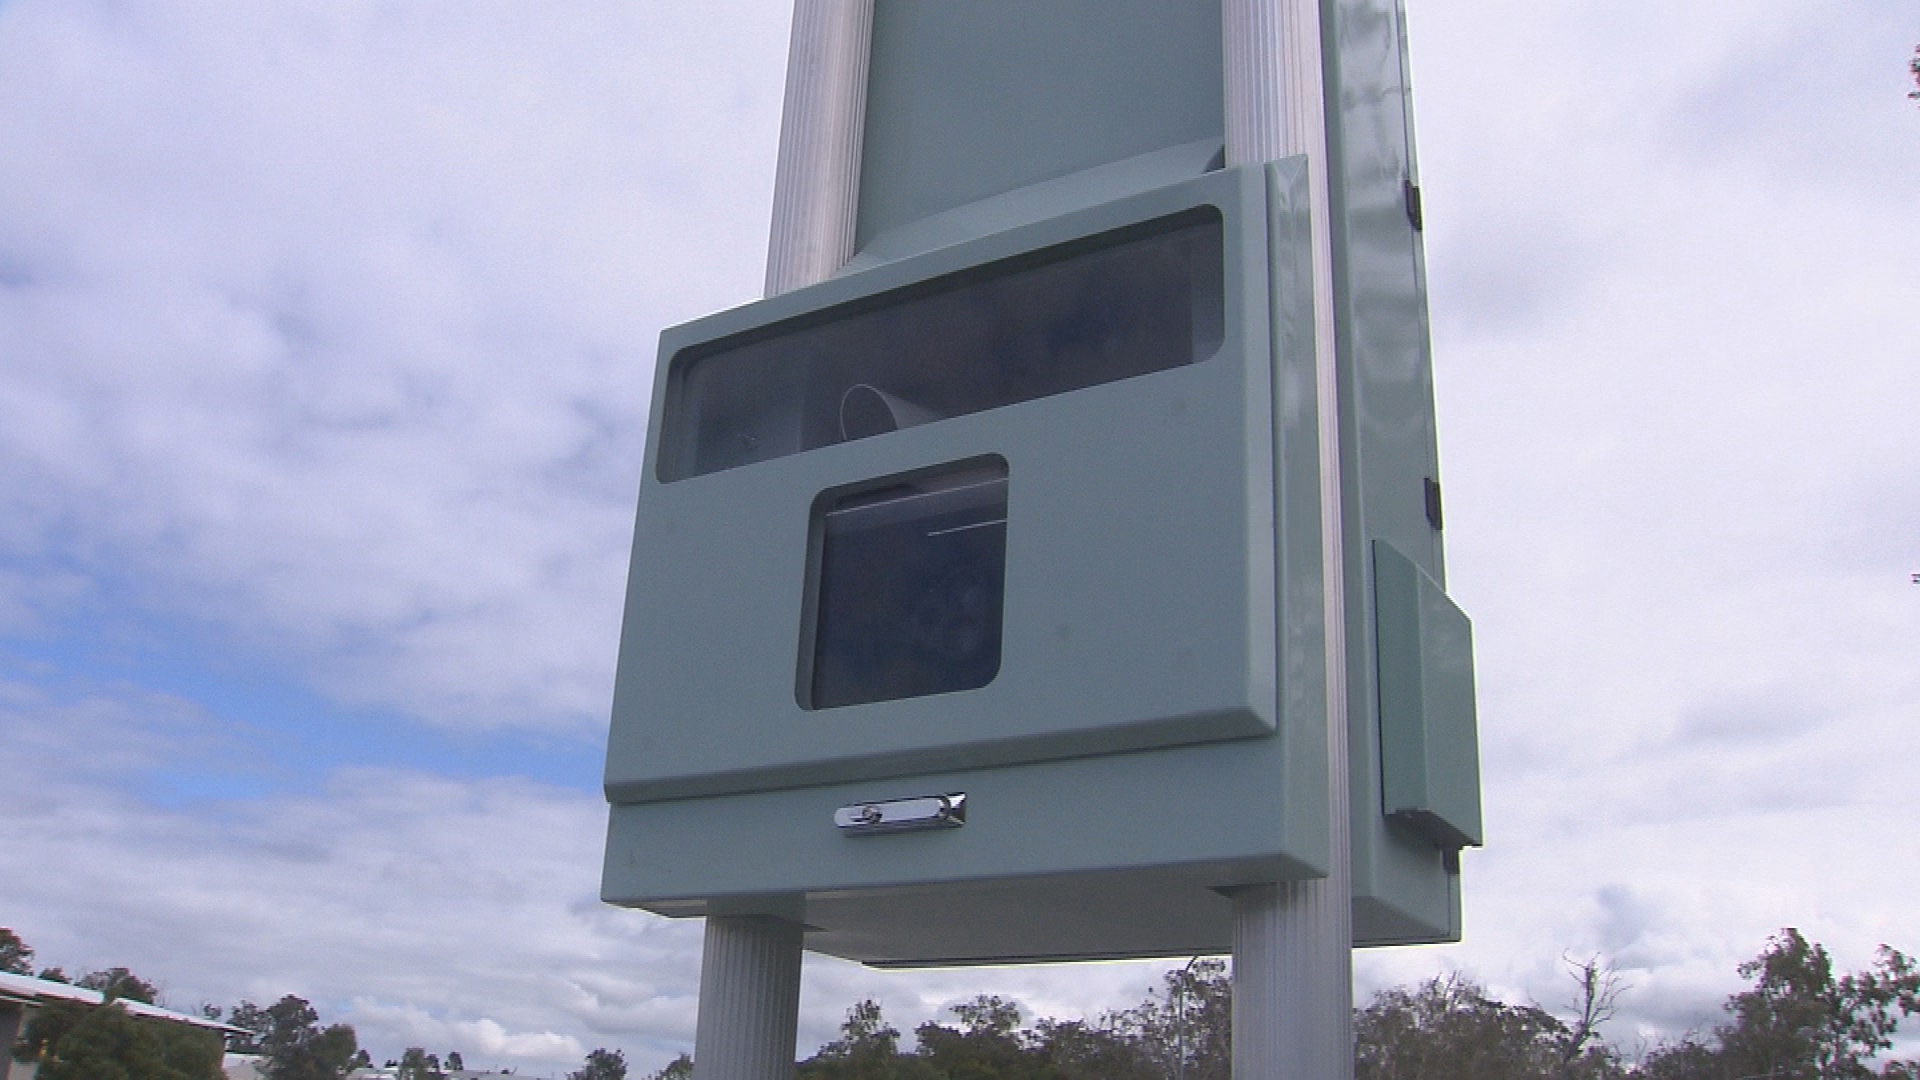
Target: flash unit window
[1114, 306]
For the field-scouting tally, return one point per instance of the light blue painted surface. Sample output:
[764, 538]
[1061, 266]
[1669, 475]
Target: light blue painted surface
[1404, 889]
[1043, 200]
[1139, 575]
[1148, 740]
[1429, 751]
[971, 100]
[1157, 729]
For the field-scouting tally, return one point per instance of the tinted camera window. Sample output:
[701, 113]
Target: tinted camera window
[908, 580]
[1137, 300]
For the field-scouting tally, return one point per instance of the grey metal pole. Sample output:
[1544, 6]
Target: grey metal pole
[1180, 1070]
[750, 966]
[1293, 943]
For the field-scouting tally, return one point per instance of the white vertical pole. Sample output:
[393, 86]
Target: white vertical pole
[749, 999]
[1293, 942]
[816, 183]
[750, 966]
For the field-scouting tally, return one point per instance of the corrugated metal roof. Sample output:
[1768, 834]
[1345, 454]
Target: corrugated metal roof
[31, 991]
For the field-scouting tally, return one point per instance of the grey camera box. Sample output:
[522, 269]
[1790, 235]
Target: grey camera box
[1115, 407]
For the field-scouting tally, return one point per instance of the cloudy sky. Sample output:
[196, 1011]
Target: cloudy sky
[325, 333]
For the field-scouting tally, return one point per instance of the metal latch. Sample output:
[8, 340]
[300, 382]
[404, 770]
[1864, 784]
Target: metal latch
[903, 815]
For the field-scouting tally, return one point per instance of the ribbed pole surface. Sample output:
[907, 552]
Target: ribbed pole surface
[1293, 943]
[749, 999]
[750, 967]
[816, 182]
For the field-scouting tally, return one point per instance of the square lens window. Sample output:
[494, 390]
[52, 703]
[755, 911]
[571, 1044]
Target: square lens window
[908, 583]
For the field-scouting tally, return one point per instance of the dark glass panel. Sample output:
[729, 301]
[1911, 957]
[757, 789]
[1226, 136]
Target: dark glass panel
[908, 582]
[1137, 300]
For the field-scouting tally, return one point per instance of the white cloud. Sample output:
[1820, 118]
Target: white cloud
[1674, 307]
[332, 325]
[478, 1040]
[453, 915]
[421, 910]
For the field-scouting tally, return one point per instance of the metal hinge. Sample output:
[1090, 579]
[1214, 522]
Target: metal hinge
[1414, 214]
[1433, 503]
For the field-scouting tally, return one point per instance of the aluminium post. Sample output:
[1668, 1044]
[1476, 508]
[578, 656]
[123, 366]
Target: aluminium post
[750, 966]
[1293, 942]
[816, 183]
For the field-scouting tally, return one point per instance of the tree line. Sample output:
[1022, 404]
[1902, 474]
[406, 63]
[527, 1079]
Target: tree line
[1798, 1020]
[74, 1041]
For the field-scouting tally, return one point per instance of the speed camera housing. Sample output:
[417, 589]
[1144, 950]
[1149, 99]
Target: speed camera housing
[1031, 520]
